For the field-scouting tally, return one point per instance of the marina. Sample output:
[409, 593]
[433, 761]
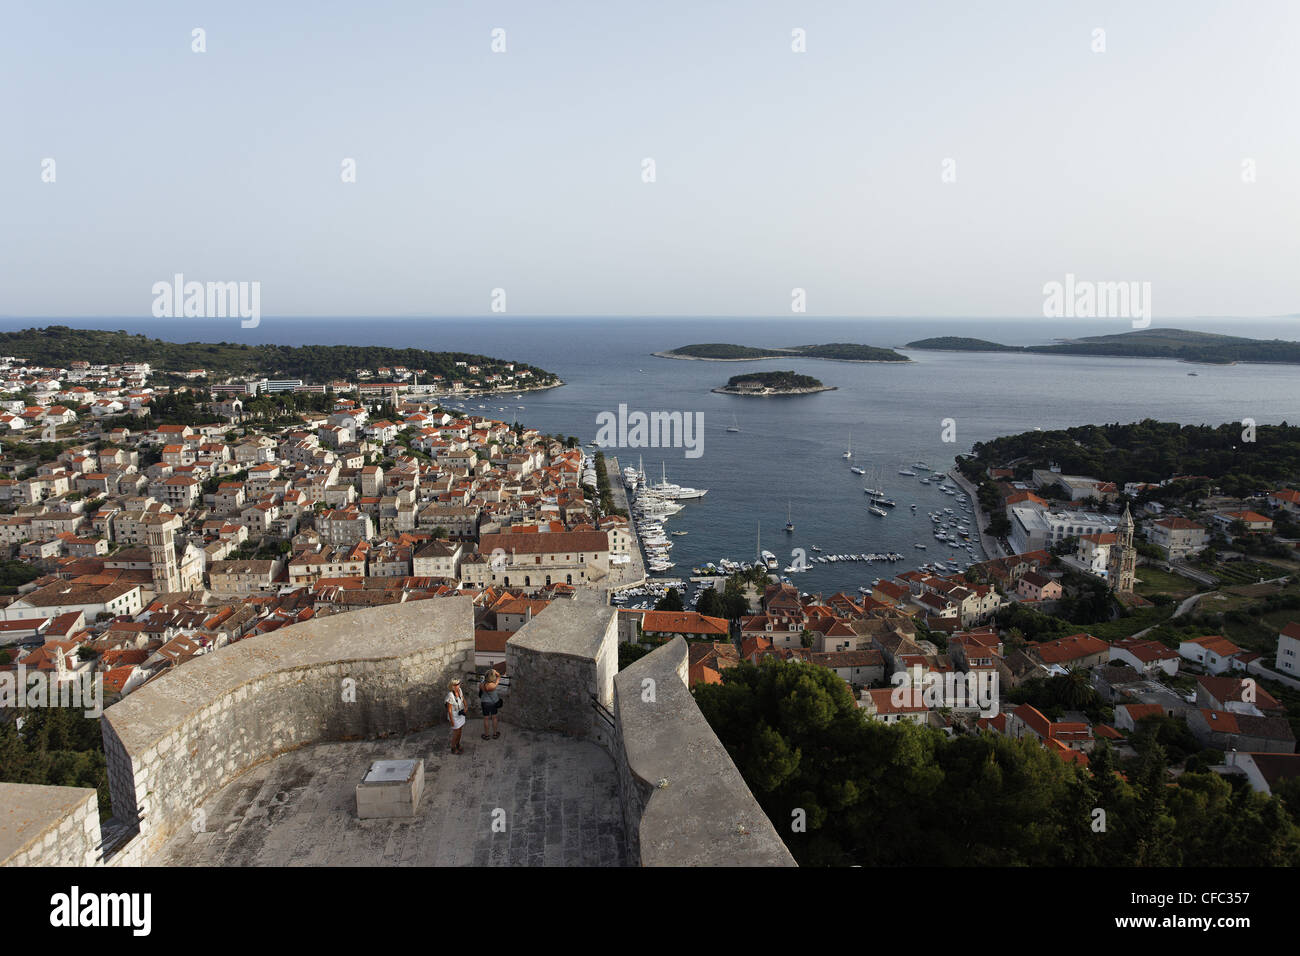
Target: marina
[653, 504]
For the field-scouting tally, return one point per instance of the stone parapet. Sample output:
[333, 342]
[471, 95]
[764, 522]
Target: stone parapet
[352, 676]
[684, 801]
[48, 826]
[558, 662]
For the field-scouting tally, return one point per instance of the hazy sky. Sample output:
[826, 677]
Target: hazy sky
[522, 170]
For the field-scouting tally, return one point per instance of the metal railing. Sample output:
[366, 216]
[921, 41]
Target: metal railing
[603, 712]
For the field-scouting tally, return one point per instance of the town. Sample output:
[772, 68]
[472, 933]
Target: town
[153, 517]
[137, 545]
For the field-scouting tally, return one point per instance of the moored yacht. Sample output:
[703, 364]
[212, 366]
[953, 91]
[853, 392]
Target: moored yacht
[669, 490]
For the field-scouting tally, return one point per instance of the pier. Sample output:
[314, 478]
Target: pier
[992, 549]
[633, 573]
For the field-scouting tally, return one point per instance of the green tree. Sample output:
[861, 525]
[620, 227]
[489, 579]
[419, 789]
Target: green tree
[711, 603]
[672, 601]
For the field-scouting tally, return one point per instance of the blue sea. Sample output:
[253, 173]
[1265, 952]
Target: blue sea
[788, 452]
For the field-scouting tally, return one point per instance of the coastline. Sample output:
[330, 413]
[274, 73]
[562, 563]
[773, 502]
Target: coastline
[505, 391]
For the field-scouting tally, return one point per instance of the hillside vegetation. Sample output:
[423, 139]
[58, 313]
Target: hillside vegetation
[59, 345]
[1151, 451]
[776, 380]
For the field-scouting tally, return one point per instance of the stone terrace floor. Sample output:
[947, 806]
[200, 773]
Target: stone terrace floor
[560, 798]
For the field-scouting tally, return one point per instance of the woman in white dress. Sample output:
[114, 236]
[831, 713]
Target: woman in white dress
[456, 715]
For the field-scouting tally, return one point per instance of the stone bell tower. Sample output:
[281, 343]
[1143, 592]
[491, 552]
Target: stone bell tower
[161, 530]
[1123, 558]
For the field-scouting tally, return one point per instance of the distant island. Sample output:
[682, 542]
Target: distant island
[59, 345]
[834, 351]
[1203, 347]
[773, 383]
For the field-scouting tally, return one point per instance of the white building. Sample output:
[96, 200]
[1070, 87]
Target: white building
[1033, 529]
[1288, 650]
[1177, 537]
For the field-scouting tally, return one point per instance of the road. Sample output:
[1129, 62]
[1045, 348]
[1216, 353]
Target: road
[992, 549]
[1184, 607]
[633, 573]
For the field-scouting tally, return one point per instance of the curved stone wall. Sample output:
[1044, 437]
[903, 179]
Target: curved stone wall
[684, 801]
[363, 674]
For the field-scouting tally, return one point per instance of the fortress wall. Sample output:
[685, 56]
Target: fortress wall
[684, 801]
[557, 662]
[358, 675]
[48, 826]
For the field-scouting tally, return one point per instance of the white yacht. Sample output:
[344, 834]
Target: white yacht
[669, 490]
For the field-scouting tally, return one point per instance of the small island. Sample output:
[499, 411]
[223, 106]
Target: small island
[833, 351]
[765, 384]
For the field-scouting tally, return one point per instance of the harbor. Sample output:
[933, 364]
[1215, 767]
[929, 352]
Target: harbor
[942, 536]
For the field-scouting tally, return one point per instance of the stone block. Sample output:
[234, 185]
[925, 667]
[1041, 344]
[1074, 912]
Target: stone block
[390, 788]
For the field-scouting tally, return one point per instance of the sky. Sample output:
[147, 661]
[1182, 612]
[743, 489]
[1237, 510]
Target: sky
[774, 170]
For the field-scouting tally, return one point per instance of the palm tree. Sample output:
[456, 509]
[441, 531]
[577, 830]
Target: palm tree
[1077, 690]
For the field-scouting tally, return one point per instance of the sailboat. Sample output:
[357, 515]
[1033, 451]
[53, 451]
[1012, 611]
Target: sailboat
[789, 522]
[734, 426]
[877, 491]
[849, 452]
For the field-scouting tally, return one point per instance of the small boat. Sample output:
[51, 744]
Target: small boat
[857, 471]
[849, 452]
[678, 534]
[907, 471]
[734, 426]
[789, 522]
[920, 547]
[881, 512]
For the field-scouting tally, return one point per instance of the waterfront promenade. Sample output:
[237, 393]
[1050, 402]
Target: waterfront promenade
[633, 573]
[992, 549]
